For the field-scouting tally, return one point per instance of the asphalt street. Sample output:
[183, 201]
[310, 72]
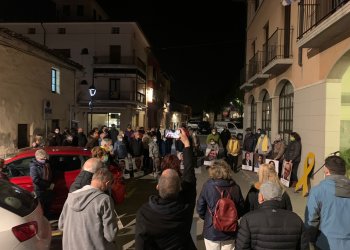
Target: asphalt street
[138, 191]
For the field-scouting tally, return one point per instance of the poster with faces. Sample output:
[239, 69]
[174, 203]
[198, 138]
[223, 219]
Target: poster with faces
[258, 160]
[247, 160]
[286, 173]
[274, 163]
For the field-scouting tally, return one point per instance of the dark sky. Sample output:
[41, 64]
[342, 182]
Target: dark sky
[200, 44]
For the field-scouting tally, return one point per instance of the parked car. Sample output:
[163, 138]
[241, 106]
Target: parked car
[23, 225]
[231, 127]
[192, 123]
[66, 163]
[204, 128]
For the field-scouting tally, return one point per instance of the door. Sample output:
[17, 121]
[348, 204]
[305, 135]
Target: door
[22, 136]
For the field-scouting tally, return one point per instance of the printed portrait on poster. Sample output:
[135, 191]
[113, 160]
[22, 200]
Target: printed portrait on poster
[286, 173]
[247, 162]
[258, 160]
[273, 163]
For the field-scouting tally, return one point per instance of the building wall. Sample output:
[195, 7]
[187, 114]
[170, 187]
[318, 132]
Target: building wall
[318, 87]
[97, 37]
[25, 82]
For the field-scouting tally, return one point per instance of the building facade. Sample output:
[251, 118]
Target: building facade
[37, 90]
[297, 73]
[114, 55]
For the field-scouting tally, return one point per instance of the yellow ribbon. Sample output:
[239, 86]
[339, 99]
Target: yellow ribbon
[303, 181]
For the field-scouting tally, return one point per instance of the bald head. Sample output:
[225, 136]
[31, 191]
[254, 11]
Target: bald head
[169, 184]
[92, 165]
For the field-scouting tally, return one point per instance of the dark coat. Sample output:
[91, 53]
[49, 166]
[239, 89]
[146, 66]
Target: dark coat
[83, 178]
[271, 227]
[36, 173]
[208, 198]
[251, 201]
[82, 140]
[136, 147]
[293, 151]
[249, 142]
[225, 136]
[165, 224]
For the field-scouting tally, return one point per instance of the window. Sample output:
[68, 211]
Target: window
[115, 30]
[80, 10]
[63, 52]
[61, 30]
[114, 88]
[285, 121]
[55, 80]
[84, 51]
[31, 30]
[266, 114]
[253, 115]
[66, 10]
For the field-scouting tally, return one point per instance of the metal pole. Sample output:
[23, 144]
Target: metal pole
[91, 109]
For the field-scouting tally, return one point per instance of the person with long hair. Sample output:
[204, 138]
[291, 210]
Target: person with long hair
[220, 177]
[266, 173]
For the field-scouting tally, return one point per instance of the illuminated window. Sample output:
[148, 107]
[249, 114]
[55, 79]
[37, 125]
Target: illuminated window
[55, 80]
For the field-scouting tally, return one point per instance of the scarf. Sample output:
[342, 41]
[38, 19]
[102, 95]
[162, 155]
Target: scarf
[233, 147]
[264, 143]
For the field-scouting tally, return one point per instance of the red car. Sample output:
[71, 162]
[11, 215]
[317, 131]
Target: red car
[66, 163]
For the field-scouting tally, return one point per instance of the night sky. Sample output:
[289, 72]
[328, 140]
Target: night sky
[200, 44]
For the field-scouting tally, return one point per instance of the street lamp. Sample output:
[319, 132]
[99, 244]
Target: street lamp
[92, 93]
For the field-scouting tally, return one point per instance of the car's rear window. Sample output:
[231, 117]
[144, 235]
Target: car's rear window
[16, 200]
[63, 163]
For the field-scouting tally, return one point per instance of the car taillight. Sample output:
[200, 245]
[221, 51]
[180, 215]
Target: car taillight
[25, 231]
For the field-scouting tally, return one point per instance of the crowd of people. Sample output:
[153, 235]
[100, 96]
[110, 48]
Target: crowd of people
[266, 217]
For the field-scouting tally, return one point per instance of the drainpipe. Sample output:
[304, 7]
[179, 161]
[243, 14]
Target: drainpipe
[42, 25]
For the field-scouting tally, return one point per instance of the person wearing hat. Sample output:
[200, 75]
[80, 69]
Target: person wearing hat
[327, 216]
[40, 173]
[277, 153]
[270, 226]
[263, 146]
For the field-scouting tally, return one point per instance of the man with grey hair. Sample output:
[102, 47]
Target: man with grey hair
[271, 227]
[40, 172]
[88, 220]
[164, 222]
[85, 175]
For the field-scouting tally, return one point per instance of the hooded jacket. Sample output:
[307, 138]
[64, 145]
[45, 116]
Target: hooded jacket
[165, 224]
[88, 220]
[327, 216]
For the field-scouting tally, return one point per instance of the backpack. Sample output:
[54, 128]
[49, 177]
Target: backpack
[225, 216]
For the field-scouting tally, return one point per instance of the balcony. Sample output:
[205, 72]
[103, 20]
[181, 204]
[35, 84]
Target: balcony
[277, 52]
[255, 75]
[243, 79]
[323, 23]
[115, 97]
[123, 60]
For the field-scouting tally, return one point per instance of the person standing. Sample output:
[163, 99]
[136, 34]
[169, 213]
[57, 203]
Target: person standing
[225, 136]
[271, 227]
[249, 141]
[213, 136]
[40, 172]
[88, 220]
[266, 173]
[327, 217]
[277, 153]
[219, 177]
[233, 149]
[113, 132]
[154, 154]
[263, 146]
[165, 221]
[85, 176]
[293, 155]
